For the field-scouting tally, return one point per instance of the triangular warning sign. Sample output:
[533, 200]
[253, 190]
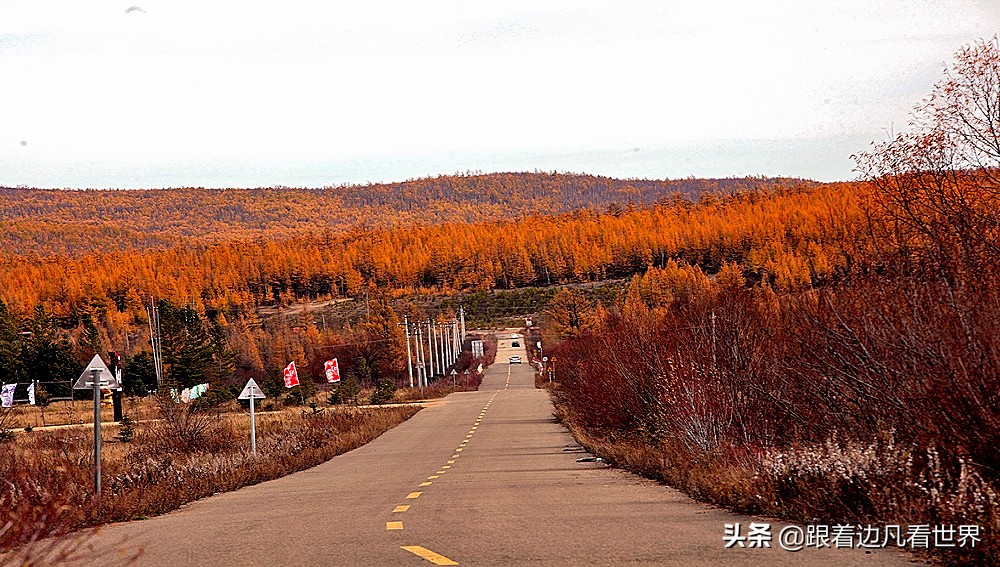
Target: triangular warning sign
[251, 389]
[104, 375]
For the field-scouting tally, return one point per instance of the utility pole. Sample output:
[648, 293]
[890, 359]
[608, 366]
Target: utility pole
[445, 349]
[154, 340]
[437, 347]
[449, 344]
[446, 343]
[430, 347]
[409, 362]
[421, 371]
[461, 318]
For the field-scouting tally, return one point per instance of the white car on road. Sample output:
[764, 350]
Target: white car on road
[514, 360]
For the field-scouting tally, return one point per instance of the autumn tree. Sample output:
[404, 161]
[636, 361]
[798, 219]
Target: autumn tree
[48, 354]
[937, 202]
[191, 353]
[568, 312]
[11, 366]
[384, 347]
[139, 375]
[937, 185]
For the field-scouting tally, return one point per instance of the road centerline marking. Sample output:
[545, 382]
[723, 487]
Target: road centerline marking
[413, 495]
[401, 508]
[428, 555]
[428, 483]
[394, 525]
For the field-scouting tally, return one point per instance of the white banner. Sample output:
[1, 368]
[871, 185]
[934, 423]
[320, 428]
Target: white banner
[7, 395]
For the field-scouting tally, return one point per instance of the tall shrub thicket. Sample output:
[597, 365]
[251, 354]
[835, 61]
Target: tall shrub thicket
[873, 398]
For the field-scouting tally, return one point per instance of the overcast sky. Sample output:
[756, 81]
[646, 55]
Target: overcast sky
[165, 93]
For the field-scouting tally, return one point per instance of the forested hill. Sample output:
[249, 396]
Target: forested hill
[74, 222]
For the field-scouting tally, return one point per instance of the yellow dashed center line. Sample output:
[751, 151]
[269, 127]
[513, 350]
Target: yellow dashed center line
[423, 552]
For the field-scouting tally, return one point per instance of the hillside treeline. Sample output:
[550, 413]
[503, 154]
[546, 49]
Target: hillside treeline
[789, 238]
[78, 222]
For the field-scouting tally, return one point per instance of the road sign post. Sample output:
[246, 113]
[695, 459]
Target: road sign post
[251, 392]
[253, 429]
[96, 376]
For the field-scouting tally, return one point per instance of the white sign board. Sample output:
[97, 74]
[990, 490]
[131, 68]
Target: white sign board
[251, 389]
[104, 376]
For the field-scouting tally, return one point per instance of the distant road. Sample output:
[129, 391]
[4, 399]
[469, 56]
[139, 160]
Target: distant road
[479, 478]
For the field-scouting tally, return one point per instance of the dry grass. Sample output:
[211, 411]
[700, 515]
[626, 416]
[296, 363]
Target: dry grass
[48, 474]
[439, 389]
[828, 483]
[74, 413]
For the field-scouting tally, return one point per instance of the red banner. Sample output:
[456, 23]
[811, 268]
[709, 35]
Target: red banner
[332, 371]
[291, 376]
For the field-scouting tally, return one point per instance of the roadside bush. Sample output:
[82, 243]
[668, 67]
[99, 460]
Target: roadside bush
[47, 488]
[346, 392]
[385, 389]
[873, 402]
[184, 428]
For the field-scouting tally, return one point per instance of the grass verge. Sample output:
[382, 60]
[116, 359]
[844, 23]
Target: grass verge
[827, 484]
[48, 488]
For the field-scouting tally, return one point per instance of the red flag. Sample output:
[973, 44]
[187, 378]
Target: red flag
[332, 371]
[291, 376]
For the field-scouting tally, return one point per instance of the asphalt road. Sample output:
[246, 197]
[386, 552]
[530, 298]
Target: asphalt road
[479, 478]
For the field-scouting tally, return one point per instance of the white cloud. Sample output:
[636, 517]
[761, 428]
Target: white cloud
[317, 82]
